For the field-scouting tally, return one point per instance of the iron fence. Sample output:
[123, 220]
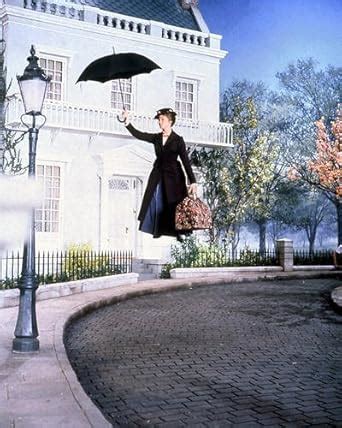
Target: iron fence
[317, 257]
[221, 257]
[52, 267]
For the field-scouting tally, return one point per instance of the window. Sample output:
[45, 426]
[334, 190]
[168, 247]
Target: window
[55, 69]
[186, 99]
[47, 216]
[127, 93]
[119, 184]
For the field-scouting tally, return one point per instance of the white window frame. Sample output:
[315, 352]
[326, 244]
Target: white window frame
[120, 184]
[48, 233]
[132, 93]
[195, 83]
[64, 61]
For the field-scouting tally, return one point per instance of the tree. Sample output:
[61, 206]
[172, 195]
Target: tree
[309, 215]
[310, 94]
[263, 143]
[326, 167]
[307, 94]
[235, 180]
[246, 177]
[327, 228]
[298, 207]
[287, 197]
[210, 163]
[324, 171]
[10, 158]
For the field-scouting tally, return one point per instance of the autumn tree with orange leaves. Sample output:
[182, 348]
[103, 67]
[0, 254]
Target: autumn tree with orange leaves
[324, 171]
[327, 165]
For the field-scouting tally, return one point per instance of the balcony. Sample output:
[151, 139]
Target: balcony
[65, 116]
[79, 11]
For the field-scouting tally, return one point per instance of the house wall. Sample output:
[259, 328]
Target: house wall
[80, 43]
[89, 161]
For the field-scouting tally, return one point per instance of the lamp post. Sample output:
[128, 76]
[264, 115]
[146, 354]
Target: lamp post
[33, 85]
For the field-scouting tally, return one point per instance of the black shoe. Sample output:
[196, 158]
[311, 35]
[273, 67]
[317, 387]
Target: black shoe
[180, 238]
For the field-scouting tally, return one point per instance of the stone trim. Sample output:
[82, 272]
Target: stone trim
[10, 298]
[221, 271]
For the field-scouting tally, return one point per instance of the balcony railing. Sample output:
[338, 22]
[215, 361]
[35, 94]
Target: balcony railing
[82, 12]
[98, 121]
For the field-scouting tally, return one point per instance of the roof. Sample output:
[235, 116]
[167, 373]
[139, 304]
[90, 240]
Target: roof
[166, 11]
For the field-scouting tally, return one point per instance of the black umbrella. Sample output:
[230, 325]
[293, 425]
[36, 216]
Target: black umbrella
[117, 66]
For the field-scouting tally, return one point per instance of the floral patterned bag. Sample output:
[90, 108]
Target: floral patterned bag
[192, 214]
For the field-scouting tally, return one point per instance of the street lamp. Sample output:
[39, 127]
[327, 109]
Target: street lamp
[33, 85]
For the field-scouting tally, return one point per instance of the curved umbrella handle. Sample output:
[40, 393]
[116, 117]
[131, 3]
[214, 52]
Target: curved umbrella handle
[120, 120]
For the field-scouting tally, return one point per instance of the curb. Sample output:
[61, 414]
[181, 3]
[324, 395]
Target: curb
[87, 407]
[10, 298]
[336, 297]
[258, 271]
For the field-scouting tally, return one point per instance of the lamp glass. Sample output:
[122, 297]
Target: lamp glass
[33, 93]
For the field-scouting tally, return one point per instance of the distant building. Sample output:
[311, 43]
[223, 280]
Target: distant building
[93, 172]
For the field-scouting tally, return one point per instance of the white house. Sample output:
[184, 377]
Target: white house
[93, 172]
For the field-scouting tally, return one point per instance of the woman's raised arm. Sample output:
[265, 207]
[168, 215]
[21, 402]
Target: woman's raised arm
[144, 136]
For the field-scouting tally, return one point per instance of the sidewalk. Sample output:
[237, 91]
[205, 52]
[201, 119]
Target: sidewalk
[41, 390]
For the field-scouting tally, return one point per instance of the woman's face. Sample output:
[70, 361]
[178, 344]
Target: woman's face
[165, 123]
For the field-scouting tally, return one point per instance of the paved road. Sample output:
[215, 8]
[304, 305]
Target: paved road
[268, 354]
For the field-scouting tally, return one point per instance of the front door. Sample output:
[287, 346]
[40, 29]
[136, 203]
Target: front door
[122, 213]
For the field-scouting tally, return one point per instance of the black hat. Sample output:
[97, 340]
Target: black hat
[166, 111]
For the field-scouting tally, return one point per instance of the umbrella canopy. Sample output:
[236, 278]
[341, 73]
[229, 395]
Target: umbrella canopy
[117, 66]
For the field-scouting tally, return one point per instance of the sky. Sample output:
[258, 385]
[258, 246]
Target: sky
[263, 36]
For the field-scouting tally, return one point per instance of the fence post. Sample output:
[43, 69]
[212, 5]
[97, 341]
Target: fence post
[285, 253]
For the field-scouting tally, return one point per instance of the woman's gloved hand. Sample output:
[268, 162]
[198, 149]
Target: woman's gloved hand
[124, 117]
[192, 191]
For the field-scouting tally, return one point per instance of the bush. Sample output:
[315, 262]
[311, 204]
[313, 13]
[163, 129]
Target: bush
[250, 257]
[192, 253]
[165, 272]
[185, 253]
[6, 284]
[80, 262]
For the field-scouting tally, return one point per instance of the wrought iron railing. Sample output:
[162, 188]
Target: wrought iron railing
[317, 257]
[221, 257]
[52, 267]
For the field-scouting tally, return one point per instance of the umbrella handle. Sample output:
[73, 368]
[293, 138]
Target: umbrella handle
[120, 120]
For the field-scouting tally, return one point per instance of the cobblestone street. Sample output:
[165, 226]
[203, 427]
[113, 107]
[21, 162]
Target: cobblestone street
[249, 354]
